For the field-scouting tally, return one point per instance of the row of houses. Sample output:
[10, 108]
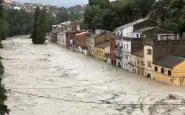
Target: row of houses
[141, 47]
[77, 37]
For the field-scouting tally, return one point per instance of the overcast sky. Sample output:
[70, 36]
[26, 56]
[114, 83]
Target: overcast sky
[65, 3]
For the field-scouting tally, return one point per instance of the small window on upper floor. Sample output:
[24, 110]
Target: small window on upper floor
[149, 51]
[137, 35]
[162, 70]
[149, 64]
[156, 68]
[169, 72]
[121, 34]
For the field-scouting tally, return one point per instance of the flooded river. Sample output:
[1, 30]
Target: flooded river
[51, 80]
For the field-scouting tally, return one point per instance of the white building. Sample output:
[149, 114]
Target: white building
[124, 36]
[66, 26]
[61, 39]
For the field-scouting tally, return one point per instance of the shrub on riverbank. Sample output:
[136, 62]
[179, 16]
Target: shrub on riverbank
[3, 97]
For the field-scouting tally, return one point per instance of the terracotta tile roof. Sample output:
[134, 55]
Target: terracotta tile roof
[170, 61]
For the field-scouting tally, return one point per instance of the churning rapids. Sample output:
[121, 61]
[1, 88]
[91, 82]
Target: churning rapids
[52, 80]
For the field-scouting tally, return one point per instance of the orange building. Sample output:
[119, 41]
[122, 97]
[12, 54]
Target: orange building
[81, 39]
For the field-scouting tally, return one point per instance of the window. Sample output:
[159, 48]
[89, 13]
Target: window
[149, 51]
[142, 62]
[137, 35]
[149, 64]
[138, 71]
[162, 70]
[156, 69]
[169, 72]
[127, 46]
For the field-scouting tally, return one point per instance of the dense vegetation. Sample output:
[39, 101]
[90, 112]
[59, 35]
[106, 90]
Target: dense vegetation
[106, 15]
[39, 26]
[3, 107]
[14, 22]
[72, 13]
[19, 22]
[170, 14]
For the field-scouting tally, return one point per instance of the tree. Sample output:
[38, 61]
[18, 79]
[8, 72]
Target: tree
[35, 33]
[170, 14]
[3, 29]
[42, 26]
[144, 7]
[39, 27]
[3, 107]
[102, 3]
[106, 15]
[62, 15]
[50, 20]
[93, 16]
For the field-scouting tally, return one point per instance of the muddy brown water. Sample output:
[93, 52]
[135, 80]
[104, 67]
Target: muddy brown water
[51, 80]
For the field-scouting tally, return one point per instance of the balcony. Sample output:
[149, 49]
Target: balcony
[119, 57]
[119, 47]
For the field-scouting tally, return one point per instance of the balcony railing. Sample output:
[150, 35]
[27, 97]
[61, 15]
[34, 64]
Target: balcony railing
[119, 57]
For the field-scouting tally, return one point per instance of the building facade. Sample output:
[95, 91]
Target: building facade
[55, 30]
[101, 51]
[137, 60]
[70, 40]
[100, 37]
[156, 50]
[170, 69]
[113, 50]
[91, 45]
[125, 36]
[61, 39]
[81, 42]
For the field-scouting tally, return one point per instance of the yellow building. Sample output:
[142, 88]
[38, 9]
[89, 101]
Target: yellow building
[101, 51]
[163, 61]
[170, 69]
[137, 60]
[148, 61]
